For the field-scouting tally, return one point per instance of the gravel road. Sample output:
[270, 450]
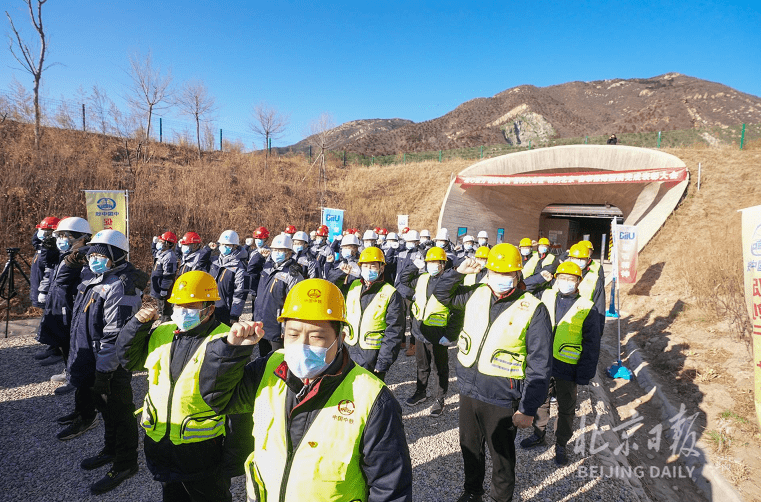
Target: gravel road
[36, 466]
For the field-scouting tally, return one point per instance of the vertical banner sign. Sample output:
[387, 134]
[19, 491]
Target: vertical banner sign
[626, 253]
[500, 235]
[107, 209]
[402, 220]
[334, 220]
[751, 241]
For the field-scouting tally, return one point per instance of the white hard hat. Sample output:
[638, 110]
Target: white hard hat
[112, 238]
[350, 240]
[412, 235]
[425, 233]
[249, 241]
[442, 235]
[468, 238]
[392, 237]
[229, 237]
[74, 224]
[370, 236]
[301, 236]
[483, 234]
[282, 241]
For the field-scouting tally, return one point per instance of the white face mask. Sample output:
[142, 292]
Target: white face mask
[580, 262]
[566, 287]
[501, 284]
[318, 240]
[441, 244]
[381, 238]
[249, 242]
[394, 244]
[542, 249]
[185, 249]
[369, 243]
[482, 242]
[525, 251]
[433, 268]
[159, 246]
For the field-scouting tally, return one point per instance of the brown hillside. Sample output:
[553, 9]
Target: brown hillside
[667, 102]
[348, 132]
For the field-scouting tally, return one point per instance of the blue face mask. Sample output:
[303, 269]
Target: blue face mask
[278, 256]
[225, 250]
[185, 249]
[41, 234]
[409, 245]
[501, 284]
[62, 244]
[298, 248]
[433, 268]
[369, 274]
[441, 244]
[259, 242]
[186, 319]
[98, 264]
[306, 361]
[159, 246]
[468, 246]
[346, 253]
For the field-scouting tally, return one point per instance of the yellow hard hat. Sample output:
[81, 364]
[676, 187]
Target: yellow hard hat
[544, 241]
[568, 267]
[436, 254]
[579, 250]
[195, 286]
[588, 244]
[482, 252]
[372, 254]
[525, 242]
[314, 300]
[504, 258]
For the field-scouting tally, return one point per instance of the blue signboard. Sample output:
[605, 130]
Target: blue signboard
[500, 235]
[334, 219]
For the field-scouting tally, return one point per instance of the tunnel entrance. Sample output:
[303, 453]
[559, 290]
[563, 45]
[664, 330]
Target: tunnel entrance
[566, 224]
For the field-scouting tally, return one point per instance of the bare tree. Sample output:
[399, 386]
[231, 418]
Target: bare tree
[100, 106]
[28, 62]
[149, 90]
[321, 138]
[268, 123]
[195, 101]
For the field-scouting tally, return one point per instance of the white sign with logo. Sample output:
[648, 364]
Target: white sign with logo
[402, 220]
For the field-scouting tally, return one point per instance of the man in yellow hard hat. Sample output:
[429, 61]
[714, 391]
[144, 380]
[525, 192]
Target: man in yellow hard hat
[575, 351]
[184, 437]
[592, 286]
[526, 248]
[324, 428]
[503, 365]
[431, 326]
[540, 268]
[376, 314]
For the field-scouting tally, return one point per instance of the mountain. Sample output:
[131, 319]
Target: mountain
[666, 102]
[348, 132]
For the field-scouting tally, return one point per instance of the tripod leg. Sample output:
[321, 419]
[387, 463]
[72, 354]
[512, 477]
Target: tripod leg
[23, 274]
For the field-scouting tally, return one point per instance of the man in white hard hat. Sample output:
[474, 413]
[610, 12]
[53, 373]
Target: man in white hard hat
[280, 274]
[425, 240]
[483, 239]
[301, 255]
[349, 255]
[232, 278]
[369, 239]
[442, 241]
[468, 249]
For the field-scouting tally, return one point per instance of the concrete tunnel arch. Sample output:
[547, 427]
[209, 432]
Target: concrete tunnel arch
[646, 200]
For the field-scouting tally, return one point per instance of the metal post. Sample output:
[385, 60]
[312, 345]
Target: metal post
[404, 158]
[659, 139]
[742, 137]
[310, 153]
[161, 130]
[529, 144]
[699, 173]
[439, 156]
[482, 151]
[602, 249]
[372, 160]
[586, 140]
[126, 216]
[344, 158]
[84, 127]
[269, 146]
[220, 140]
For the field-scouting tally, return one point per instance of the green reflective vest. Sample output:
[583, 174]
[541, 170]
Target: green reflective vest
[326, 465]
[368, 327]
[533, 263]
[178, 405]
[566, 345]
[589, 282]
[428, 310]
[498, 348]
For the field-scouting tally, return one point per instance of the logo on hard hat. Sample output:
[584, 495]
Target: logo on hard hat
[181, 285]
[106, 204]
[314, 293]
[755, 244]
[346, 407]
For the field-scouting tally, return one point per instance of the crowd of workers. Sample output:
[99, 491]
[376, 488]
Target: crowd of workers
[310, 418]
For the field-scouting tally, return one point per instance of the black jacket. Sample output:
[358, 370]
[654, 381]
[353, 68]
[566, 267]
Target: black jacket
[167, 461]
[228, 383]
[532, 390]
[586, 368]
[430, 334]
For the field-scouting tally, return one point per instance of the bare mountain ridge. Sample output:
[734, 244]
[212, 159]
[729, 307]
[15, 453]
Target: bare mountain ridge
[666, 102]
[349, 132]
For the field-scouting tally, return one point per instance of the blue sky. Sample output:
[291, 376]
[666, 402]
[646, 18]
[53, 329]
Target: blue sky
[413, 60]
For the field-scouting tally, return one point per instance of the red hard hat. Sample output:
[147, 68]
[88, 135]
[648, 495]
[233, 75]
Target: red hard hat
[405, 230]
[290, 229]
[48, 223]
[168, 237]
[376, 230]
[382, 231]
[262, 233]
[188, 238]
[322, 231]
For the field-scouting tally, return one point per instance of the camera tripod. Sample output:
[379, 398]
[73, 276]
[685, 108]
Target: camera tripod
[7, 286]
